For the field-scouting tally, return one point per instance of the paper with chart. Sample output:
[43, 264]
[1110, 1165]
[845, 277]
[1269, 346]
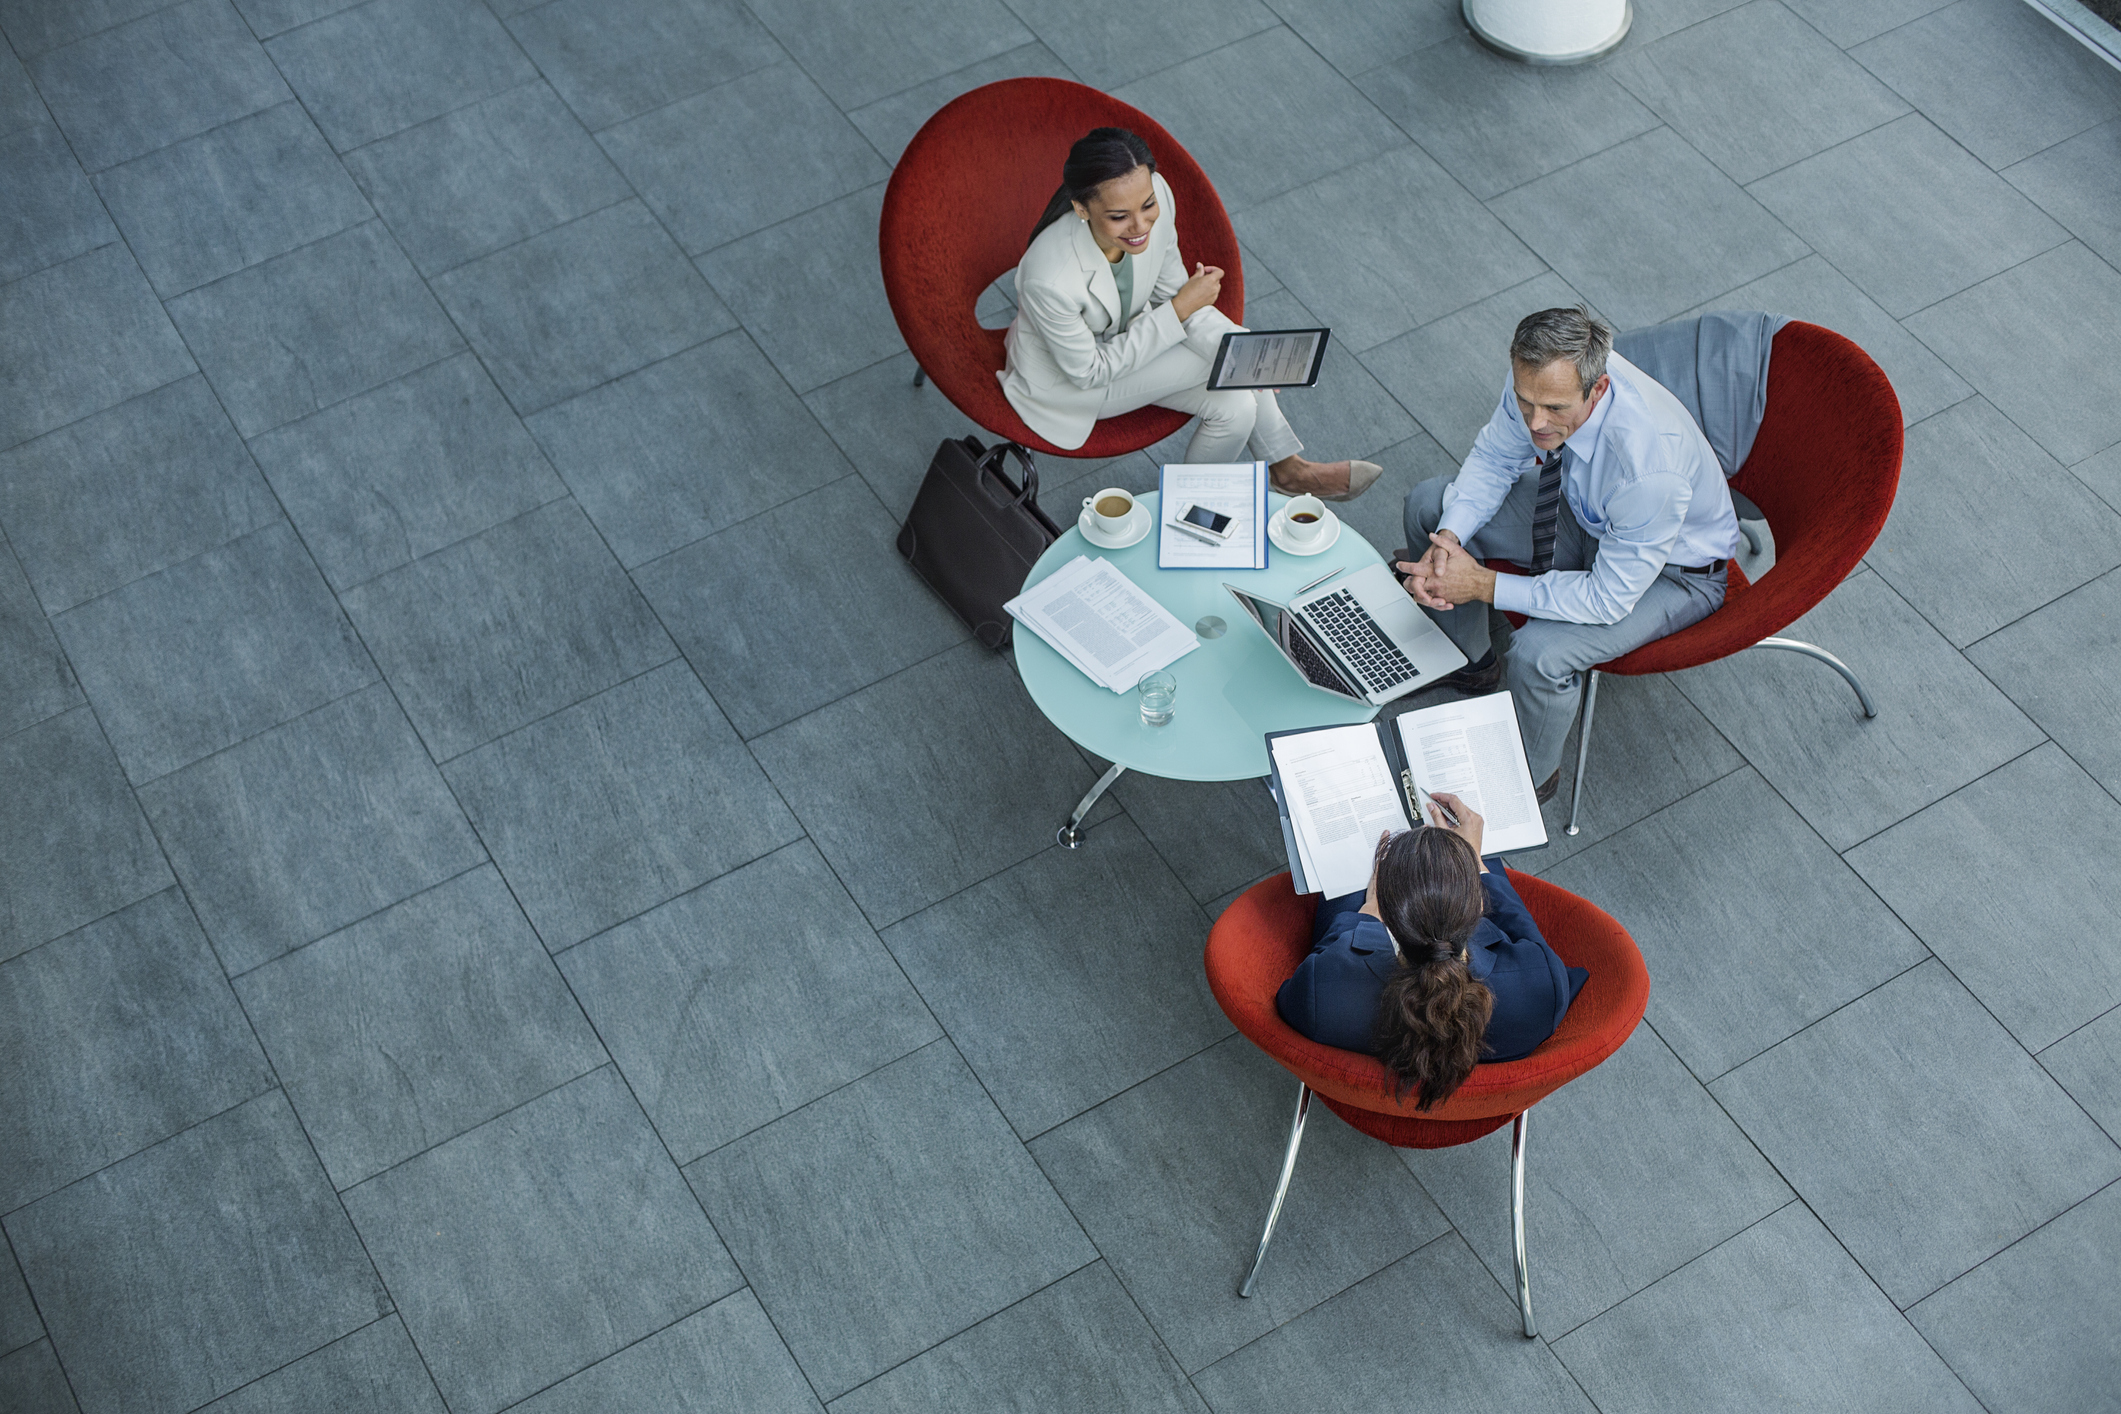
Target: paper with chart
[1340, 795]
[1239, 491]
[1472, 749]
[1103, 623]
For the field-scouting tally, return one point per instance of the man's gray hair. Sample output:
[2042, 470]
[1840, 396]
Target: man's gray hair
[1574, 334]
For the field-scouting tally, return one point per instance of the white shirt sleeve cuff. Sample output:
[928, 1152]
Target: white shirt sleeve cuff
[1513, 593]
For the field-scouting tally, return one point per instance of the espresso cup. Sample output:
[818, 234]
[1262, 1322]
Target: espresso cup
[1110, 509]
[1304, 519]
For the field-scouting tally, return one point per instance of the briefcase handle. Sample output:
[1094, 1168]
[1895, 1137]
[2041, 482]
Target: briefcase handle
[991, 463]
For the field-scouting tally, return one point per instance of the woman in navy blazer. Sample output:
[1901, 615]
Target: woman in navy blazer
[1436, 967]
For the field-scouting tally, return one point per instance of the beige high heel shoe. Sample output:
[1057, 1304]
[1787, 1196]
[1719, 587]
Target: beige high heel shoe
[1361, 477]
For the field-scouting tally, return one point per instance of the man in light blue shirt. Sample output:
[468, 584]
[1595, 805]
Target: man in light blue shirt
[1597, 482]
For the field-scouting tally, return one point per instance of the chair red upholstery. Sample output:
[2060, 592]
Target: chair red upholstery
[1259, 939]
[959, 209]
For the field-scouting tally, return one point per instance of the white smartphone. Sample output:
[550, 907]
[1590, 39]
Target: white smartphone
[1204, 522]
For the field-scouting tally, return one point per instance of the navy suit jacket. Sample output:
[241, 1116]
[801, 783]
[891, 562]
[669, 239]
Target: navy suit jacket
[1333, 997]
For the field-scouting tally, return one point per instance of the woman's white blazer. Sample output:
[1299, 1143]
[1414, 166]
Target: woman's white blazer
[1063, 353]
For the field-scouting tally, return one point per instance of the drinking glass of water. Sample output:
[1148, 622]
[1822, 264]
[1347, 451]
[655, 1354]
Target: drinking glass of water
[1158, 690]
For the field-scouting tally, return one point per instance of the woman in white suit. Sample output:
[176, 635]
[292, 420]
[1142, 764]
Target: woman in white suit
[1109, 321]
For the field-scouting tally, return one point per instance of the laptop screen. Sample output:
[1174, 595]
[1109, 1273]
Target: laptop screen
[1288, 633]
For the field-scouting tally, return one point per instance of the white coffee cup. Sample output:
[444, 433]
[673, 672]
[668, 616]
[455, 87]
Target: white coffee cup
[1303, 520]
[1110, 509]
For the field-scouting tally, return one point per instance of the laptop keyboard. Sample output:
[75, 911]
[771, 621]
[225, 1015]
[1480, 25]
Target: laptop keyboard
[1351, 630]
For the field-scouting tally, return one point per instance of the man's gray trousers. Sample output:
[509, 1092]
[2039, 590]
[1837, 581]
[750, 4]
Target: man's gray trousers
[1544, 666]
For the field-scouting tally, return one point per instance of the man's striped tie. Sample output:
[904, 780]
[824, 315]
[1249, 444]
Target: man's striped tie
[1546, 514]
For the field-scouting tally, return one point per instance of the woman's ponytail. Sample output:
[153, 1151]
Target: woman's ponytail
[1434, 1012]
[1097, 157]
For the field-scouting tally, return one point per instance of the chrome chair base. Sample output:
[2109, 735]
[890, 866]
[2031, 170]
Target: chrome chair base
[1288, 1171]
[1788, 645]
[1281, 1187]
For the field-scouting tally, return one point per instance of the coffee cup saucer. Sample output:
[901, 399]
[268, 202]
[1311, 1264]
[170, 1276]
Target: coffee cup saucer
[1137, 526]
[1278, 532]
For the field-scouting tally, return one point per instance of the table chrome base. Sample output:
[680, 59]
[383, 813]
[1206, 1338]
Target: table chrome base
[1070, 835]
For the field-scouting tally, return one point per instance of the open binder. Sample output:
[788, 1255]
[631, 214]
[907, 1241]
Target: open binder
[1469, 747]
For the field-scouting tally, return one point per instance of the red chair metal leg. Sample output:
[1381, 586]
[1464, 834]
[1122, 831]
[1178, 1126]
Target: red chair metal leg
[1281, 1189]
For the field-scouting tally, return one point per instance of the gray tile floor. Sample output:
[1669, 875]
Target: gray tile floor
[462, 949]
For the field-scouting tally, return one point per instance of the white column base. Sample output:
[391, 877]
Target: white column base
[1550, 31]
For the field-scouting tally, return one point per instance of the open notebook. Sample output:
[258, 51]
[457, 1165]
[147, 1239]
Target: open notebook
[1339, 788]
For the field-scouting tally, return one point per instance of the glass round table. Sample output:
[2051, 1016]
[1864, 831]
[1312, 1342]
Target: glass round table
[1232, 690]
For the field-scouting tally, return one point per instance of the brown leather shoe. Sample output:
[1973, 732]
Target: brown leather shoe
[1551, 789]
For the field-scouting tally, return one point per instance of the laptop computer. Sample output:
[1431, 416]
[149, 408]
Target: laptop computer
[1358, 635]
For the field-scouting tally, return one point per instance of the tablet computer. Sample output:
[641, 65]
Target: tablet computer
[1269, 358]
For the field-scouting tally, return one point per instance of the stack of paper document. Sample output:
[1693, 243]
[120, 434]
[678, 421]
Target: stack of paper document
[1239, 491]
[1341, 799]
[1102, 621]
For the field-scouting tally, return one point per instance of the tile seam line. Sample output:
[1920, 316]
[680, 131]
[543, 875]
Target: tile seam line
[662, 555]
[653, 214]
[1035, 42]
[2069, 237]
[566, 494]
[391, 1314]
[1449, 1231]
[1924, 18]
[678, 648]
[1230, 1033]
[1111, 90]
[597, 134]
[340, 14]
[440, 762]
[728, 1252]
[1795, 1200]
[1360, 357]
[2097, 1128]
[468, 1129]
[55, 615]
[629, 1345]
[1719, 1077]
[2012, 760]
[375, 1271]
[2052, 1218]
[2015, 163]
[14, 1213]
[370, 916]
[1749, 183]
[2067, 1034]
[690, 889]
[7, 1249]
[752, 741]
[1610, 836]
[25, 60]
[247, 738]
[1589, 845]
[517, 243]
[2001, 1251]
[2095, 576]
[291, 101]
[967, 1330]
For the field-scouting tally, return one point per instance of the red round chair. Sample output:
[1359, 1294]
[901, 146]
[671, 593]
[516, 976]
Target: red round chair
[1260, 938]
[1822, 472]
[959, 209]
